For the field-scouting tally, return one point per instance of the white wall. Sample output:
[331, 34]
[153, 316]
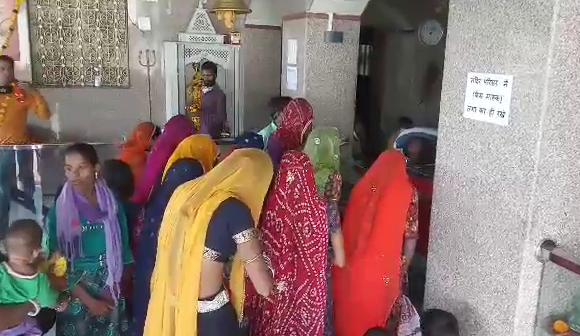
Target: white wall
[271, 12]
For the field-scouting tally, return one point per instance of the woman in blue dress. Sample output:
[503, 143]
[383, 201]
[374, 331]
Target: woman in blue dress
[181, 171]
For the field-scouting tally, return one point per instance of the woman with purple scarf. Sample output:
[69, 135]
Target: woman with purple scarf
[88, 226]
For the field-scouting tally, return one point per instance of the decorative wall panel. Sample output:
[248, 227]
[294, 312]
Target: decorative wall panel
[79, 42]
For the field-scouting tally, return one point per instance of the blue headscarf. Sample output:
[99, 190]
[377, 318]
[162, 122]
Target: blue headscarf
[249, 140]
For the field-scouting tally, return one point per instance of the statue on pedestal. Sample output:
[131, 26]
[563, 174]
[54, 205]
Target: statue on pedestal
[194, 94]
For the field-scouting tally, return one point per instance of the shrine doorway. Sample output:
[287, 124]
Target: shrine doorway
[400, 70]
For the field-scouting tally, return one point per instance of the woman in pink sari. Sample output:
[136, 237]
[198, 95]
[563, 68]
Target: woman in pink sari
[294, 230]
[176, 129]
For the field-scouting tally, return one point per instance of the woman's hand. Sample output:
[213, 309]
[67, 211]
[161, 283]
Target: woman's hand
[58, 283]
[99, 307]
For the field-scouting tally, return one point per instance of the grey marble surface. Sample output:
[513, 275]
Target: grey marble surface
[500, 190]
[327, 72]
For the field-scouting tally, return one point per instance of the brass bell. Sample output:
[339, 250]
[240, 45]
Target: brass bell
[226, 11]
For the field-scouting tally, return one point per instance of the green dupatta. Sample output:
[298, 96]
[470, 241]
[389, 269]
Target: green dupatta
[323, 149]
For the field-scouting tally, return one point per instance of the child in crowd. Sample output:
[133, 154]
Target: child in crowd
[377, 331]
[403, 123]
[119, 179]
[20, 278]
[437, 322]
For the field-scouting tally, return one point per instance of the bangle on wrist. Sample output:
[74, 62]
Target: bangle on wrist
[36, 308]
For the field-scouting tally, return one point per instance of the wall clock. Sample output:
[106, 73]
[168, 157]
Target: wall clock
[431, 32]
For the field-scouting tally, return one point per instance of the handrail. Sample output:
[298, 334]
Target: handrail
[548, 251]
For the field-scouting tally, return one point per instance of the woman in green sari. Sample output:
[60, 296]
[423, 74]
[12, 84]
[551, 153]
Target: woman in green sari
[323, 149]
[88, 226]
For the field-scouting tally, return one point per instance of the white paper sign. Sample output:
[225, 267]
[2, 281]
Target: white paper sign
[292, 52]
[488, 98]
[292, 78]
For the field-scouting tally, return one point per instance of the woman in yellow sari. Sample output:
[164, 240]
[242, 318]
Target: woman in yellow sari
[198, 146]
[208, 221]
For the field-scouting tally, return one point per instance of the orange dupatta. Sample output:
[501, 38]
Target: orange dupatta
[134, 150]
[373, 228]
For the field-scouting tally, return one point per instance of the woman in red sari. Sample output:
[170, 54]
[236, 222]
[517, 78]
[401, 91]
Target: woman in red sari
[294, 230]
[380, 234]
[295, 127]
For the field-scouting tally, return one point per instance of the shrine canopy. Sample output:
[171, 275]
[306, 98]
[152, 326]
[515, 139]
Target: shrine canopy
[199, 43]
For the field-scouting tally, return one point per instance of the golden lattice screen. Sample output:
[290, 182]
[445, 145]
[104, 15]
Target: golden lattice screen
[74, 42]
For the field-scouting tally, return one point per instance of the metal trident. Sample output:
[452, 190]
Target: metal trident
[147, 59]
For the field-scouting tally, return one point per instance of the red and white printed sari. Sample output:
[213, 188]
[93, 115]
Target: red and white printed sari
[294, 229]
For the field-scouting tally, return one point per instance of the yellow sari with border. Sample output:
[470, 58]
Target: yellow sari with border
[246, 175]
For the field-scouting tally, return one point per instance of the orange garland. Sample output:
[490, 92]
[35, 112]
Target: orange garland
[13, 21]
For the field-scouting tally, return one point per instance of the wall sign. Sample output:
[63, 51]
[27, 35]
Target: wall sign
[292, 78]
[488, 98]
[292, 52]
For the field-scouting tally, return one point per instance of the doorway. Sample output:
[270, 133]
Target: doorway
[400, 75]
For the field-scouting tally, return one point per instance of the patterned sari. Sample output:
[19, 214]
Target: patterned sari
[295, 127]
[380, 215]
[323, 149]
[294, 231]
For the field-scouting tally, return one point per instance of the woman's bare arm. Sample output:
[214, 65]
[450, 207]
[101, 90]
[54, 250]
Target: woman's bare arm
[250, 253]
[409, 251]
[12, 315]
[337, 241]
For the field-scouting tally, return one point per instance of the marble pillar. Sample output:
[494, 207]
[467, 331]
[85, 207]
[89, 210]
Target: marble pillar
[261, 50]
[500, 189]
[327, 72]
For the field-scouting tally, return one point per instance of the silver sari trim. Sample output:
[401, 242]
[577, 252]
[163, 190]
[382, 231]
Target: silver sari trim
[218, 301]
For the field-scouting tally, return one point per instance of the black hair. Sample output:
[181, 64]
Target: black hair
[119, 178]
[377, 331]
[7, 59]
[437, 322]
[88, 152]
[28, 230]
[156, 132]
[405, 122]
[279, 103]
[210, 66]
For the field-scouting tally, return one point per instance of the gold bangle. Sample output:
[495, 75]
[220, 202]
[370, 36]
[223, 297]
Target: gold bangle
[249, 261]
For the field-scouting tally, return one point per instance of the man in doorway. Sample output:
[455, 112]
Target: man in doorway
[213, 103]
[16, 99]
[403, 123]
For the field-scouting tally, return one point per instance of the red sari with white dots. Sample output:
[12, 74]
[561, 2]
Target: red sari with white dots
[294, 230]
